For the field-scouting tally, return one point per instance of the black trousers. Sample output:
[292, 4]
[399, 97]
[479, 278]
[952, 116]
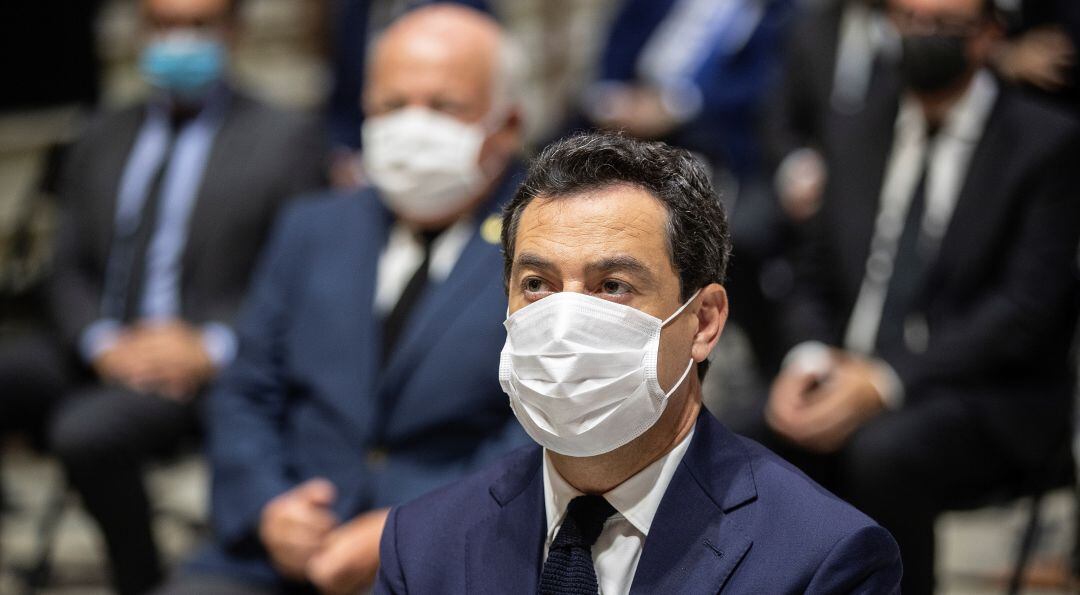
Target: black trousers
[202, 584]
[903, 469]
[103, 436]
[32, 379]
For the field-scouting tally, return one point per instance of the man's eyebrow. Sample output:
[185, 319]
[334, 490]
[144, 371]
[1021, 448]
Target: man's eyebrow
[621, 263]
[534, 261]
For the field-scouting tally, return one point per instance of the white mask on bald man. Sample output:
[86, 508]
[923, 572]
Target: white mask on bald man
[424, 163]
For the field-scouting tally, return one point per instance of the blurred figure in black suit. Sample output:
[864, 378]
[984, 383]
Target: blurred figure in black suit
[166, 206]
[935, 298]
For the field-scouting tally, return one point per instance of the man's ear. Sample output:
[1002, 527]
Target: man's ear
[712, 313]
[509, 135]
[986, 40]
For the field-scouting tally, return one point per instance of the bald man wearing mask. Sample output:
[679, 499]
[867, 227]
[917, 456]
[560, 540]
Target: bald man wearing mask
[365, 372]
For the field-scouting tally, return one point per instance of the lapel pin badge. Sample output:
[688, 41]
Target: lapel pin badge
[491, 229]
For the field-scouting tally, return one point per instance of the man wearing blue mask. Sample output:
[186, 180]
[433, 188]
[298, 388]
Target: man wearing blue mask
[167, 204]
[185, 59]
[365, 372]
[614, 253]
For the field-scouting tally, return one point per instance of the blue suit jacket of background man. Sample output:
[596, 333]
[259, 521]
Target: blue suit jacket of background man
[309, 395]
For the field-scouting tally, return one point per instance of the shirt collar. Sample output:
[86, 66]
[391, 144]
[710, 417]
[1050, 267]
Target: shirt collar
[208, 115]
[636, 499]
[445, 249]
[965, 119]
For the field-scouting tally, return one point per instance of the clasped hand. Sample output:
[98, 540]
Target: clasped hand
[166, 358]
[306, 542]
[820, 409]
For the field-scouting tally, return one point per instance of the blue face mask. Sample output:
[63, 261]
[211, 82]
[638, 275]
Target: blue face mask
[182, 63]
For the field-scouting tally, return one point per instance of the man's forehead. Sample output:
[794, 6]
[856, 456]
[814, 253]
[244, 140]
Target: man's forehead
[444, 49]
[620, 219]
[443, 36]
[432, 65]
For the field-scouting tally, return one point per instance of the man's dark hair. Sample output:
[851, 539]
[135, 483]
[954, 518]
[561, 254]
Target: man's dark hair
[697, 230]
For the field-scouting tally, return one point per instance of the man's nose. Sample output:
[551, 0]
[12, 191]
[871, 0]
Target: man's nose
[574, 286]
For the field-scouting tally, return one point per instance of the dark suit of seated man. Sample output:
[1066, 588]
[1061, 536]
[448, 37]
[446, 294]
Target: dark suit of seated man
[365, 375]
[166, 206]
[614, 252]
[936, 294]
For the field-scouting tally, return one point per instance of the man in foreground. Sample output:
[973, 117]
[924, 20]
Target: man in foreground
[614, 254]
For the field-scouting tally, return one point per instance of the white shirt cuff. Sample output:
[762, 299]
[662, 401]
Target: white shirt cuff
[888, 384]
[219, 341]
[811, 357]
[794, 166]
[682, 100]
[98, 337]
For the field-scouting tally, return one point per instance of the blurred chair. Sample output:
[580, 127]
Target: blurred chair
[36, 573]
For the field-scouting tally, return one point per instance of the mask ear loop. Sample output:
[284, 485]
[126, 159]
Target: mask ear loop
[689, 364]
[680, 310]
[682, 378]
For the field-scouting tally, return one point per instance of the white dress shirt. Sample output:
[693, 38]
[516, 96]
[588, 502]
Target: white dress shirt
[949, 156]
[183, 168]
[403, 253]
[618, 549]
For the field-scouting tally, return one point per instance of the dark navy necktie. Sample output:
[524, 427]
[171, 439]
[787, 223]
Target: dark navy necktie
[910, 266]
[395, 321]
[126, 269]
[569, 566]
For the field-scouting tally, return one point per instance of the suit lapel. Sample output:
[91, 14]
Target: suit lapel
[212, 199]
[981, 196]
[505, 550]
[861, 154]
[692, 546]
[439, 307]
[356, 251]
[442, 304]
[333, 329]
[111, 159]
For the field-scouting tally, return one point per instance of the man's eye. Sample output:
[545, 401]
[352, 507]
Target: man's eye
[452, 108]
[612, 287]
[388, 105]
[533, 285]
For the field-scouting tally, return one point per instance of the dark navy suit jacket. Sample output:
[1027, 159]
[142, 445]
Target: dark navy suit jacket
[309, 395]
[735, 519]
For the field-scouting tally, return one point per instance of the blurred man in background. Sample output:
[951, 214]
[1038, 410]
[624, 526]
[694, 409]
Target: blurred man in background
[352, 24]
[691, 72]
[836, 54]
[936, 294]
[167, 206]
[366, 371]
[694, 73]
[1040, 52]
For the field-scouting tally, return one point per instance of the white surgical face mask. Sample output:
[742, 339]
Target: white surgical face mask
[425, 164]
[581, 372]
